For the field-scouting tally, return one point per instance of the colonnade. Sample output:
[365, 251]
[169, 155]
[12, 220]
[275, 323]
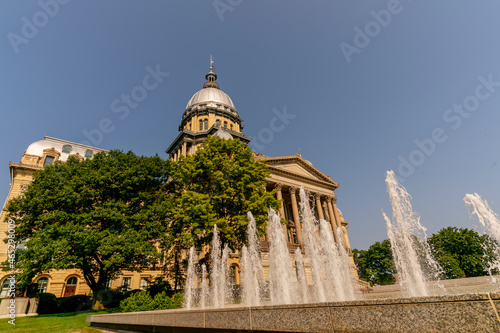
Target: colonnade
[325, 205]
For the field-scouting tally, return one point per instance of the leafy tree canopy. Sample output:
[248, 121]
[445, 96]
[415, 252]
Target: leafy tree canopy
[463, 252]
[101, 216]
[375, 265]
[219, 185]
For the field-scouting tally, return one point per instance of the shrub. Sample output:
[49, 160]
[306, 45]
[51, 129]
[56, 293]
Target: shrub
[137, 302]
[142, 301]
[163, 302]
[47, 303]
[75, 303]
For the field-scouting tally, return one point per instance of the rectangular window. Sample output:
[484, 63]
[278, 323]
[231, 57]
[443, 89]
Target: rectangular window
[201, 125]
[205, 122]
[126, 283]
[48, 160]
[144, 283]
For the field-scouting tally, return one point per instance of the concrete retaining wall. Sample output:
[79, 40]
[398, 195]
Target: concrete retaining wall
[452, 313]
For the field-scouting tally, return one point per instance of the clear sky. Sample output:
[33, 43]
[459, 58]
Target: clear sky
[371, 85]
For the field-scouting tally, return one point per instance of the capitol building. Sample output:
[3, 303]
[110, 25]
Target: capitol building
[209, 112]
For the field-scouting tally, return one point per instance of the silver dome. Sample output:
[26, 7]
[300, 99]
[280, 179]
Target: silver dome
[207, 95]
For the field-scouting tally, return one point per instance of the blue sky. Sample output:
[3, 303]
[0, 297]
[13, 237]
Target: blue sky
[365, 81]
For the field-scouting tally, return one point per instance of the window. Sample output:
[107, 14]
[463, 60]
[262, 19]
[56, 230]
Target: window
[70, 288]
[217, 122]
[4, 291]
[144, 283]
[88, 153]
[201, 125]
[48, 160]
[126, 283]
[43, 283]
[66, 149]
[108, 283]
[72, 281]
[205, 123]
[231, 127]
[232, 274]
[225, 124]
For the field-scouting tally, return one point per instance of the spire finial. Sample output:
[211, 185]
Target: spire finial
[211, 76]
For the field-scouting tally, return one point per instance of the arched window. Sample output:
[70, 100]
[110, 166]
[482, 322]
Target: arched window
[4, 291]
[88, 153]
[66, 149]
[231, 127]
[43, 283]
[217, 122]
[225, 124]
[71, 284]
[201, 125]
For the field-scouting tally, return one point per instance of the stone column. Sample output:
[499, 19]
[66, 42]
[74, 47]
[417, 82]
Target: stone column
[325, 211]
[337, 218]
[332, 218]
[336, 211]
[296, 218]
[319, 207]
[279, 196]
[184, 148]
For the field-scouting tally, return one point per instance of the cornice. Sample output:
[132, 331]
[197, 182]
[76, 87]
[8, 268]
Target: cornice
[13, 165]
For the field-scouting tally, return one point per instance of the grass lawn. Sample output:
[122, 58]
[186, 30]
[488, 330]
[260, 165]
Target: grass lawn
[54, 323]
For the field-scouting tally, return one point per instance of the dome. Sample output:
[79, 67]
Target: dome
[207, 95]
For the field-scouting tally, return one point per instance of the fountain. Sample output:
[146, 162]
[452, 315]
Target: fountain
[301, 300]
[328, 263]
[252, 273]
[412, 256]
[282, 281]
[189, 289]
[490, 222]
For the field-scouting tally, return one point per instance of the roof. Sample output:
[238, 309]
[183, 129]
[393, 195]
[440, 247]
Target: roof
[37, 147]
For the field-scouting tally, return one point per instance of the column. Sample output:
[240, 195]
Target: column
[336, 211]
[325, 211]
[319, 207]
[296, 218]
[184, 148]
[279, 196]
[332, 218]
[337, 218]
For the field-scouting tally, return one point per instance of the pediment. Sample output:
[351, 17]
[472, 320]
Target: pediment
[298, 166]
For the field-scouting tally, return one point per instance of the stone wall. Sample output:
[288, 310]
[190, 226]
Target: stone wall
[453, 313]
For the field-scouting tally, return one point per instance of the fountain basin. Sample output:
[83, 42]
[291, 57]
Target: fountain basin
[448, 313]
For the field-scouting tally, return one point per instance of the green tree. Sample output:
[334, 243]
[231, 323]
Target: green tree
[101, 215]
[375, 265]
[462, 252]
[217, 185]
